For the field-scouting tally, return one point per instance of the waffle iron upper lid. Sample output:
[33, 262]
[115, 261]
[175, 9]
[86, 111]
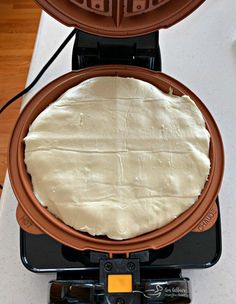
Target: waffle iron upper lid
[119, 18]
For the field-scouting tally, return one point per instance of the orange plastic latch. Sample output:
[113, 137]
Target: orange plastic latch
[119, 283]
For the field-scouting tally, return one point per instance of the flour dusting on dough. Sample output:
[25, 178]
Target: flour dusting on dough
[118, 157]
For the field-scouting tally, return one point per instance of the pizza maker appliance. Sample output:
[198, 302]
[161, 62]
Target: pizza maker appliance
[116, 38]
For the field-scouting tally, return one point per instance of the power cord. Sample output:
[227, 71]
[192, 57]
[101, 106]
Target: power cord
[40, 74]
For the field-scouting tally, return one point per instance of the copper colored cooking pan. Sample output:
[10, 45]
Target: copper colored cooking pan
[119, 18]
[34, 218]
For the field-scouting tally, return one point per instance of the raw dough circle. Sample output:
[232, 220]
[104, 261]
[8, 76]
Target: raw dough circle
[118, 157]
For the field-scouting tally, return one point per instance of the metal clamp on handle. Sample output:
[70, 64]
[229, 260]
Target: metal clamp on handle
[166, 291]
[75, 292]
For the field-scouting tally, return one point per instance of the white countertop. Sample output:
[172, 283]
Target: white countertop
[200, 51]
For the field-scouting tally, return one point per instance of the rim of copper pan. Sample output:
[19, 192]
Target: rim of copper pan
[119, 18]
[51, 225]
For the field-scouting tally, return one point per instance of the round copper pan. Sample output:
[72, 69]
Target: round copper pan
[119, 18]
[49, 224]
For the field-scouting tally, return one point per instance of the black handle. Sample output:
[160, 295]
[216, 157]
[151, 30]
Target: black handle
[150, 292]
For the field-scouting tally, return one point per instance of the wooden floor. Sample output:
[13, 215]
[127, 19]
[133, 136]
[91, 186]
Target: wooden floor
[18, 27]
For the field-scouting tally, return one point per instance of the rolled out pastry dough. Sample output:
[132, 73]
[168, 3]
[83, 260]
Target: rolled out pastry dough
[116, 156]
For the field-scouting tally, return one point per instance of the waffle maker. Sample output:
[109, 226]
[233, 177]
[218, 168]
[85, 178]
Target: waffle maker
[124, 33]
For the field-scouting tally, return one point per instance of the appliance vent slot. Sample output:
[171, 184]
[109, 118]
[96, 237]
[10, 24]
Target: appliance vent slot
[101, 7]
